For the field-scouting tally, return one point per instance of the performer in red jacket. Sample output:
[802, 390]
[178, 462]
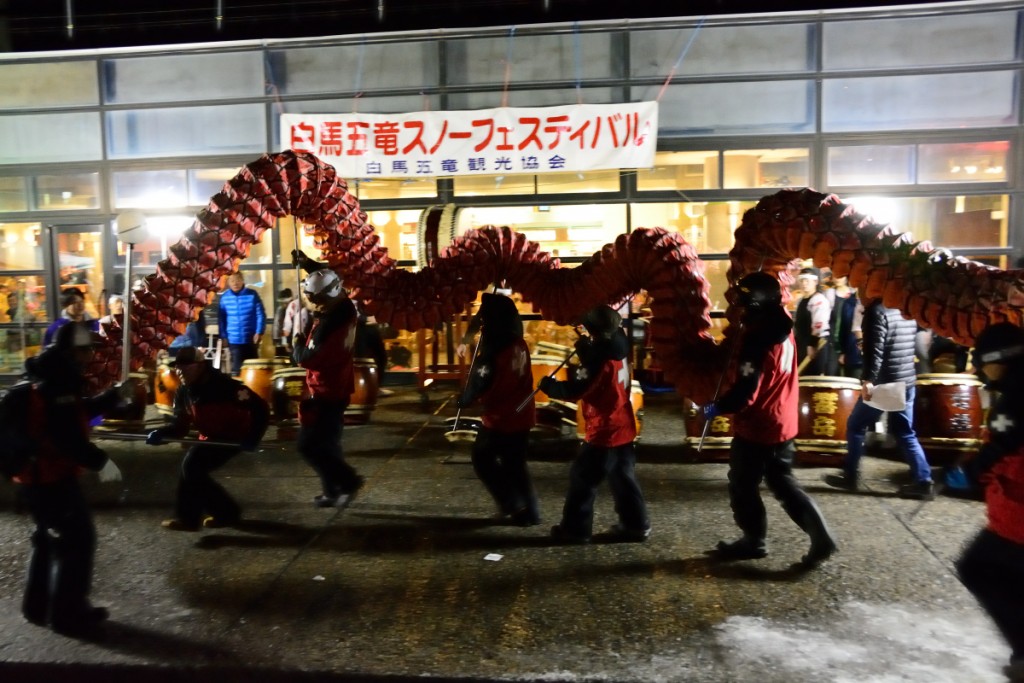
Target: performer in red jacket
[992, 565]
[602, 384]
[326, 354]
[222, 409]
[765, 402]
[501, 379]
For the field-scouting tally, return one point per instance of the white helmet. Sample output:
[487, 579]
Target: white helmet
[322, 284]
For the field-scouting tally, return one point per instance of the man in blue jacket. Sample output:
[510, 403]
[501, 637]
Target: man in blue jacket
[241, 319]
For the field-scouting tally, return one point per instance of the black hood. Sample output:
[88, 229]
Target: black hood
[772, 325]
[501, 322]
[55, 369]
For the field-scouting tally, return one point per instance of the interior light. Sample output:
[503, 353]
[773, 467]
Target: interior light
[971, 169]
[954, 169]
[66, 195]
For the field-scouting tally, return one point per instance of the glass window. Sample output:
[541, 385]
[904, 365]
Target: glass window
[19, 247]
[48, 84]
[766, 168]
[680, 171]
[547, 183]
[949, 222]
[170, 78]
[534, 98]
[149, 189]
[531, 58]
[47, 138]
[397, 230]
[80, 264]
[229, 129]
[398, 188]
[708, 226]
[953, 39]
[871, 165]
[203, 183]
[570, 230]
[67, 192]
[964, 162]
[721, 50]
[163, 231]
[733, 108]
[967, 100]
[356, 67]
[12, 195]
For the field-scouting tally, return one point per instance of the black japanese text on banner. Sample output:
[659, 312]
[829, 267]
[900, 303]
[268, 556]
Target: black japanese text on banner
[482, 142]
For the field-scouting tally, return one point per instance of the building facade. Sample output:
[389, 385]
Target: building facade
[913, 115]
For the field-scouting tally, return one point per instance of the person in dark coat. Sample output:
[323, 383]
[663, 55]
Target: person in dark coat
[222, 409]
[64, 540]
[326, 354]
[992, 565]
[501, 379]
[888, 350]
[764, 402]
[601, 384]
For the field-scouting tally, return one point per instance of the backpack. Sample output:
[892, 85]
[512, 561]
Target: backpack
[17, 447]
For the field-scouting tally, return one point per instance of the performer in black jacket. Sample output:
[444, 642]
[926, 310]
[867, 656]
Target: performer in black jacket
[888, 357]
[222, 409]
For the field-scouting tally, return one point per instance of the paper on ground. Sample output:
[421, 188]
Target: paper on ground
[891, 396]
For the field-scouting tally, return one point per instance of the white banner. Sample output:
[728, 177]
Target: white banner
[500, 141]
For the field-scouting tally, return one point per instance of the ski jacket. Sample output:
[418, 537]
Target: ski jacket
[240, 315]
[765, 396]
[601, 384]
[326, 353]
[888, 347]
[221, 408]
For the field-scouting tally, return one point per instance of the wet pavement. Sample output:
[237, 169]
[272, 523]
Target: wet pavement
[417, 579]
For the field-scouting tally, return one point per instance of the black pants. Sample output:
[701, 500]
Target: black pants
[198, 493]
[499, 461]
[241, 353]
[991, 568]
[63, 548]
[320, 445]
[592, 465]
[749, 464]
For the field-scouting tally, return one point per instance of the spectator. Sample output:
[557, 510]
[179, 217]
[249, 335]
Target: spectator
[72, 304]
[241, 321]
[297, 321]
[813, 312]
[284, 298]
[115, 318]
[192, 337]
[888, 348]
[845, 343]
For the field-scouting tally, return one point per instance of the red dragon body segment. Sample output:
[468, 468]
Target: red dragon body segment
[954, 296]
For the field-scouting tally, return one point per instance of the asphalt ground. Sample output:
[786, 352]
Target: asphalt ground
[417, 579]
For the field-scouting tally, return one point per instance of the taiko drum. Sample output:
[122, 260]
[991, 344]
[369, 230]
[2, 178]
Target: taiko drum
[636, 399]
[165, 385]
[133, 415]
[719, 436]
[825, 405]
[364, 396]
[258, 374]
[948, 415]
[542, 367]
[288, 390]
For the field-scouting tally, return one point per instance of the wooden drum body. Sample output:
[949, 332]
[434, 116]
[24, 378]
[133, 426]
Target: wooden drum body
[258, 374]
[165, 385]
[948, 415]
[825, 406]
[718, 440]
[364, 397]
[636, 399]
[288, 390]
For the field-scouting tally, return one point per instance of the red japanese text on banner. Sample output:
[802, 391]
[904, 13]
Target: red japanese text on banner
[482, 142]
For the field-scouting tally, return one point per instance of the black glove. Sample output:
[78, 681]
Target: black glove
[155, 438]
[546, 383]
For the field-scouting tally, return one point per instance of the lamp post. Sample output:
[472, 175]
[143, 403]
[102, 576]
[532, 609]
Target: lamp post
[131, 229]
